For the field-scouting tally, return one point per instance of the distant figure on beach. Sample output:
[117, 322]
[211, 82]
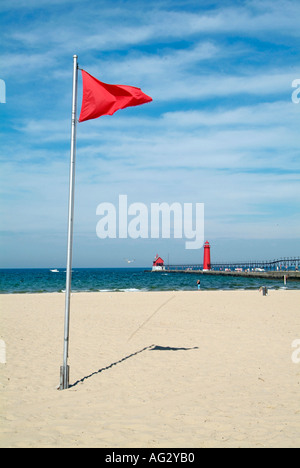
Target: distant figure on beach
[199, 284]
[264, 290]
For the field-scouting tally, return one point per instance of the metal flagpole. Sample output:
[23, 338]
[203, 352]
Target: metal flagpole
[64, 370]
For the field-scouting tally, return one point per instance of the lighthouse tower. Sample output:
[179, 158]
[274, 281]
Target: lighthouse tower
[206, 259]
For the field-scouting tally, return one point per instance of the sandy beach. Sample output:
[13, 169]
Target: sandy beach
[162, 369]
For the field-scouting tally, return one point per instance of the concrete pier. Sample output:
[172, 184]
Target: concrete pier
[287, 268]
[290, 275]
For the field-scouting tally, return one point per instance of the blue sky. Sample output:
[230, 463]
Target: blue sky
[222, 128]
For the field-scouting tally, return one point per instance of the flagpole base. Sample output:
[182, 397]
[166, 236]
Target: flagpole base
[64, 377]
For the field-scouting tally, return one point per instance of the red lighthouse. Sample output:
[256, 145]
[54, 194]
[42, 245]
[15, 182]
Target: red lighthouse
[206, 259]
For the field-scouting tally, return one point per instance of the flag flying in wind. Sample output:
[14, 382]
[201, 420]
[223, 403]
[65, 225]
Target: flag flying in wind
[105, 99]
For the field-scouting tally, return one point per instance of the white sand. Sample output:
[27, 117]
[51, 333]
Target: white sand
[209, 369]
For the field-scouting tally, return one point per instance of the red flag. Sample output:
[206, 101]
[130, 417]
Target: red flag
[105, 99]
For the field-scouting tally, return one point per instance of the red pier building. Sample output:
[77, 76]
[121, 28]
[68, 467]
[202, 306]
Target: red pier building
[158, 264]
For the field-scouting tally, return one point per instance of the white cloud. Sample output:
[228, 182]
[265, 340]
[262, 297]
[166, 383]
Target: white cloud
[260, 115]
[260, 137]
[25, 63]
[119, 28]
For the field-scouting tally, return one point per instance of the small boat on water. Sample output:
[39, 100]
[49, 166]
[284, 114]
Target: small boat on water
[55, 271]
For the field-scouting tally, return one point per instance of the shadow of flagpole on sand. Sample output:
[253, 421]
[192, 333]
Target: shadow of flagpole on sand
[147, 348]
